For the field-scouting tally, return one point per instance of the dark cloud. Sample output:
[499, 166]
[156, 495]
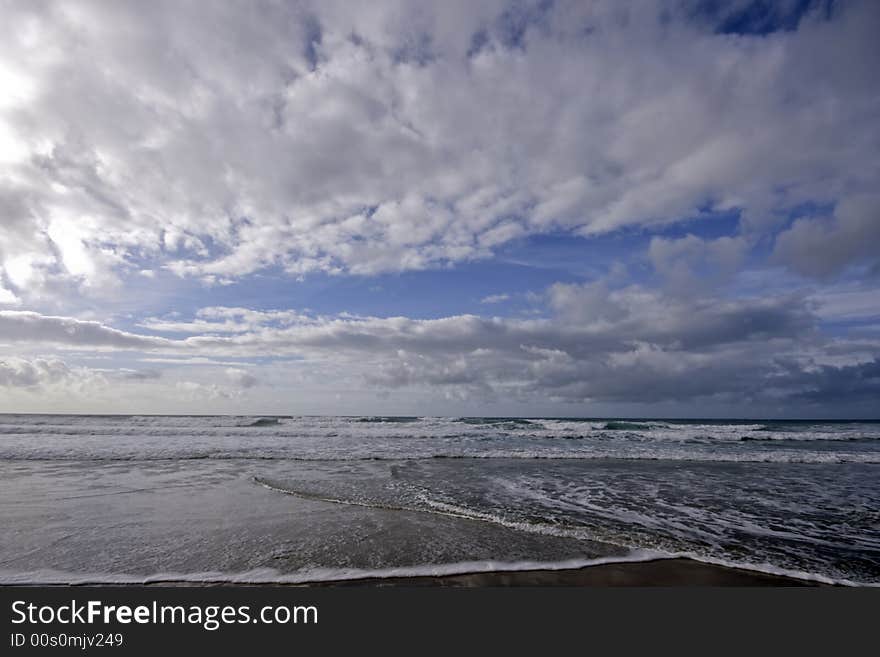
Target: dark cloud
[847, 384]
[627, 345]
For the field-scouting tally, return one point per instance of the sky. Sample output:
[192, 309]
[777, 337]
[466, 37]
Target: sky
[608, 208]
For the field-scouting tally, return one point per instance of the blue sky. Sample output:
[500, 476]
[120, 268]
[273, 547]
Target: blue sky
[563, 208]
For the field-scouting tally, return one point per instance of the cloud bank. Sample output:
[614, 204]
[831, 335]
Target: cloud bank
[599, 345]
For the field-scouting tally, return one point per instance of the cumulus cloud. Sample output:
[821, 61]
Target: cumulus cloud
[338, 138]
[24, 373]
[690, 263]
[41, 374]
[822, 246]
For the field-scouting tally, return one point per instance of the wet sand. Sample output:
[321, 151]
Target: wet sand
[661, 572]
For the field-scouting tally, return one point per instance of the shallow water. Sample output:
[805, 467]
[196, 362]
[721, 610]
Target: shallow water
[270, 499]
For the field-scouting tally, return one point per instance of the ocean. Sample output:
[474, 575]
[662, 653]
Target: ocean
[300, 499]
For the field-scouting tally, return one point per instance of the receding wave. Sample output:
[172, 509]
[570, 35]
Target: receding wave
[435, 507]
[389, 419]
[439, 508]
[634, 554]
[280, 488]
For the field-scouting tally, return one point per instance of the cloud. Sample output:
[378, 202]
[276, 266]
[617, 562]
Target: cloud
[858, 382]
[24, 373]
[234, 320]
[271, 142]
[628, 345]
[600, 344]
[848, 304]
[42, 375]
[688, 264]
[7, 297]
[196, 391]
[639, 314]
[126, 374]
[822, 246]
[31, 327]
[589, 319]
[324, 137]
[241, 378]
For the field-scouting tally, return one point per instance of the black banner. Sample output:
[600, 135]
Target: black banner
[145, 620]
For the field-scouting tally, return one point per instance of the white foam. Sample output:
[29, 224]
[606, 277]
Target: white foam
[314, 575]
[343, 438]
[319, 575]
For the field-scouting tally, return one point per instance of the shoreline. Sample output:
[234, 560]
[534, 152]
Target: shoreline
[677, 571]
[661, 572]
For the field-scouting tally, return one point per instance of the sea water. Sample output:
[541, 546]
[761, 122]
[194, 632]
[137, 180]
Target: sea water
[146, 498]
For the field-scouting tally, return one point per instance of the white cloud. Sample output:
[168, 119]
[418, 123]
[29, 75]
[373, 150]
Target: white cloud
[231, 320]
[51, 375]
[8, 297]
[194, 391]
[495, 298]
[376, 139]
[241, 378]
[24, 373]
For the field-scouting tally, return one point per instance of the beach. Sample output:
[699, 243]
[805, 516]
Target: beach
[660, 572]
[675, 572]
[216, 500]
